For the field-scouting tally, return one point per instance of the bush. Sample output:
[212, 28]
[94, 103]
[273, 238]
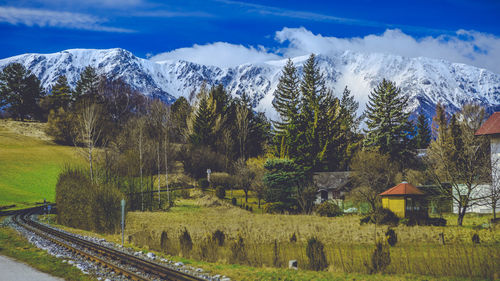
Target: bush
[85, 205]
[381, 258]
[185, 242]
[60, 126]
[316, 254]
[222, 179]
[437, 221]
[238, 251]
[293, 238]
[184, 193]
[475, 238]
[392, 237]
[328, 209]
[203, 183]
[219, 237]
[233, 201]
[220, 192]
[197, 160]
[381, 216]
[208, 249]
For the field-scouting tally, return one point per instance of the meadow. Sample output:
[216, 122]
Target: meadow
[29, 163]
[267, 243]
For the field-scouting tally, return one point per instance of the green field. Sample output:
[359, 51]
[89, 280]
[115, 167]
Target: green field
[29, 167]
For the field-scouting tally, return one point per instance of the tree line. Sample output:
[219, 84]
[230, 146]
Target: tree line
[133, 142]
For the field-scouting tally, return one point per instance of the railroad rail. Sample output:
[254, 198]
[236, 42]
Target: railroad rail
[96, 252]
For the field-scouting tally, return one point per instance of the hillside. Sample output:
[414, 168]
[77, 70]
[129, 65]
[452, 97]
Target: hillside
[426, 81]
[29, 163]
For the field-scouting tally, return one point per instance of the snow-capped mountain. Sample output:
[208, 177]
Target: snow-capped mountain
[427, 81]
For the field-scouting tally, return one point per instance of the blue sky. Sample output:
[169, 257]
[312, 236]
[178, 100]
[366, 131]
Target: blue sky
[247, 31]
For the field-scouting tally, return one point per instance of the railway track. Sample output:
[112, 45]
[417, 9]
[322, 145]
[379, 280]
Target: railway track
[117, 261]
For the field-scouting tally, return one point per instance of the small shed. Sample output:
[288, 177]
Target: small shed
[405, 200]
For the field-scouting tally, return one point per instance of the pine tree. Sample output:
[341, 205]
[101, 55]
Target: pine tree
[286, 99]
[317, 122]
[20, 91]
[203, 120]
[388, 126]
[60, 95]
[423, 137]
[87, 85]
[349, 123]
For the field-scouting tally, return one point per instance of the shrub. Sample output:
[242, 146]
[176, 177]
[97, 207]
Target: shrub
[163, 240]
[404, 221]
[328, 209]
[222, 179]
[316, 254]
[233, 201]
[86, 205]
[238, 251]
[184, 193]
[185, 242]
[381, 216]
[475, 238]
[208, 249]
[391, 236]
[293, 238]
[381, 258]
[203, 183]
[220, 192]
[437, 221]
[60, 126]
[197, 160]
[219, 237]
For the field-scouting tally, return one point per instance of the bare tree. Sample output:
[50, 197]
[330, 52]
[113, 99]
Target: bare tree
[372, 174]
[459, 159]
[244, 177]
[242, 125]
[166, 128]
[88, 130]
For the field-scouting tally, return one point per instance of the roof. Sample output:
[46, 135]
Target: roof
[331, 180]
[491, 126]
[403, 188]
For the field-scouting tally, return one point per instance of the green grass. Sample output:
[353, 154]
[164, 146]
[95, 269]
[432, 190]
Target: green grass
[29, 168]
[17, 247]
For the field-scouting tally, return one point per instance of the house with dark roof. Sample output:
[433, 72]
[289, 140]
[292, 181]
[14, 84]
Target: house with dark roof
[332, 186]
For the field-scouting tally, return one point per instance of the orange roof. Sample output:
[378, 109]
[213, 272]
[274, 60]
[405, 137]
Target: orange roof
[491, 126]
[403, 188]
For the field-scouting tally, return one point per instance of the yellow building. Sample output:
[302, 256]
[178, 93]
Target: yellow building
[404, 200]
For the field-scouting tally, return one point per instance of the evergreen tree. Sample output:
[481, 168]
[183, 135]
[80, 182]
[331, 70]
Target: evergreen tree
[286, 102]
[60, 95]
[318, 121]
[423, 137]
[20, 91]
[349, 139]
[388, 126]
[203, 120]
[87, 85]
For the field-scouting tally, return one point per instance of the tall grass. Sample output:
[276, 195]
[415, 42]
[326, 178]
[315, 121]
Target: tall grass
[348, 246]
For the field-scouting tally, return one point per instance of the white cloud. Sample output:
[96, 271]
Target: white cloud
[469, 47]
[219, 54]
[46, 18]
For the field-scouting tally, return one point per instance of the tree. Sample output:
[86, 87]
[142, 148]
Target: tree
[87, 85]
[256, 167]
[460, 159]
[242, 121]
[423, 137]
[180, 114]
[60, 95]
[286, 103]
[349, 138]
[373, 173]
[244, 177]
[318, 121]
[388, 127]
[89, 129]
[20, 91]
[492, 193]
[282, 179]
[203, 119]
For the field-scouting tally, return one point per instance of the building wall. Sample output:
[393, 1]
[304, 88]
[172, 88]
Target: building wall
[495, 159]
[479, 206]
[395, 204]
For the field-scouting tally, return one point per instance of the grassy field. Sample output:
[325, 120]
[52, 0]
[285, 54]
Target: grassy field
[348, 245]
[29, 163]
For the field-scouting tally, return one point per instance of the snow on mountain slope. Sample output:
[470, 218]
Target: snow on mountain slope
[426, 81]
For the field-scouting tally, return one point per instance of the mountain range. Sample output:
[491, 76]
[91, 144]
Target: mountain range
[426, 81]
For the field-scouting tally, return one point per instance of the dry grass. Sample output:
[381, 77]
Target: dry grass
[26, 128]
[348, 245]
